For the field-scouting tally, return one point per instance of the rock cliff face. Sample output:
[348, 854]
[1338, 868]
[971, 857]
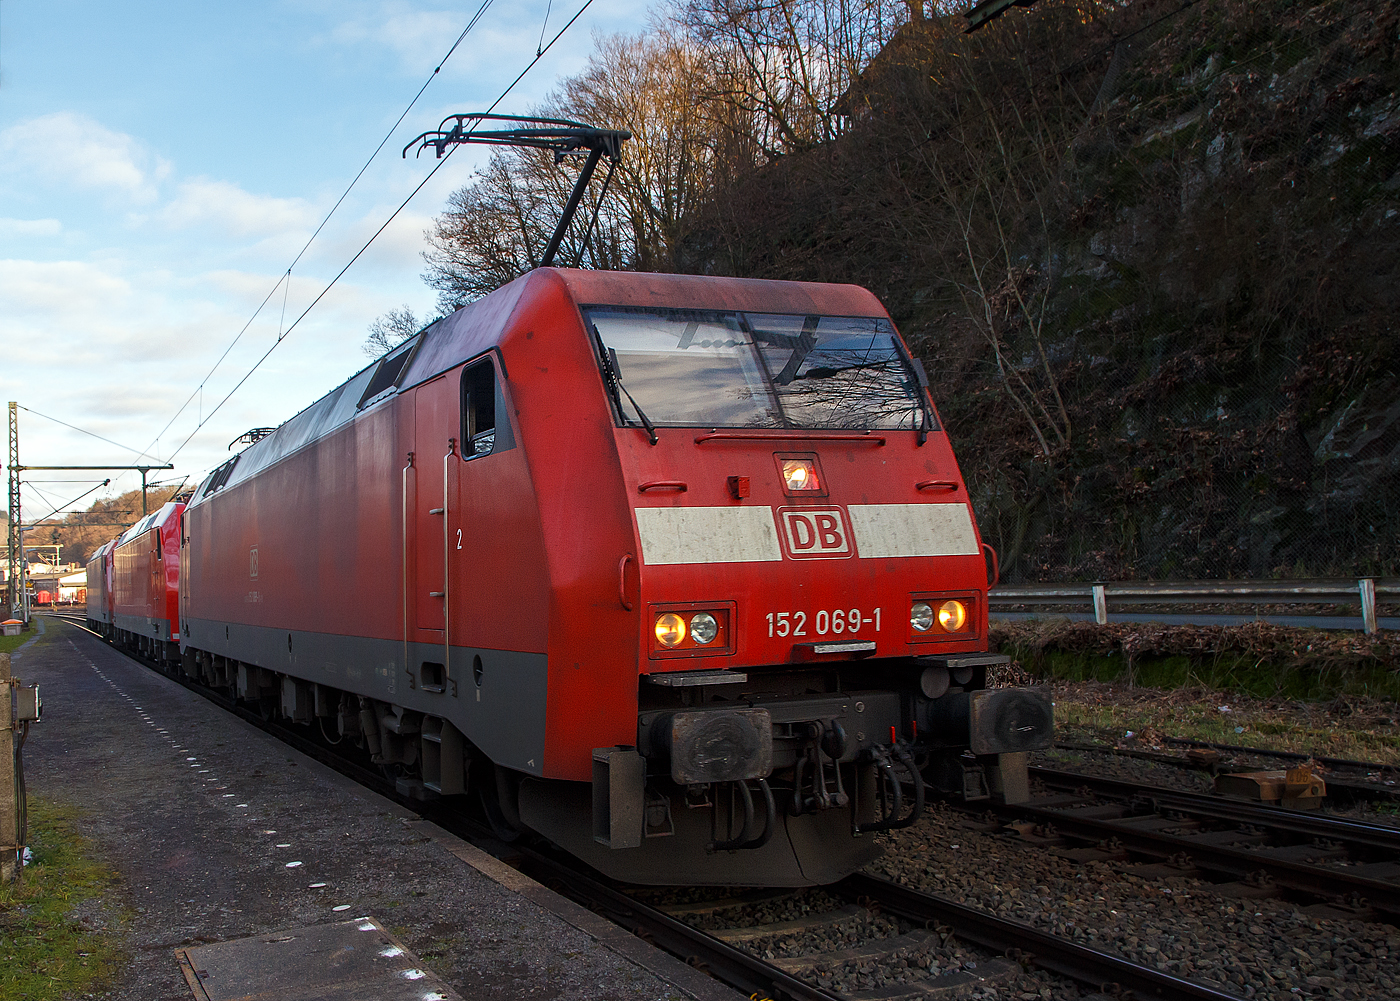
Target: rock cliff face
[1151, 256]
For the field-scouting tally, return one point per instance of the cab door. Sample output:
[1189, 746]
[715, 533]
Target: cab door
[435, 433]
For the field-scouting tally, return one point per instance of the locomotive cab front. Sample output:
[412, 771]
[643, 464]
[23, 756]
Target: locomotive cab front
[808, 585]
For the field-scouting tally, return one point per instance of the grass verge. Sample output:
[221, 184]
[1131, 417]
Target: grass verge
[9, 644]
[1098, 712]
[1303, 690]
[61, 926]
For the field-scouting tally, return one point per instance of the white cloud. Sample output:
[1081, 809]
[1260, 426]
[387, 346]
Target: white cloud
[71, 148]
[30, 227]
[53, 289]
[419, 38]
[227, 207]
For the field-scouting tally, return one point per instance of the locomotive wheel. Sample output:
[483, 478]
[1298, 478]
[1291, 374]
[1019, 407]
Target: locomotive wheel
[499, 825]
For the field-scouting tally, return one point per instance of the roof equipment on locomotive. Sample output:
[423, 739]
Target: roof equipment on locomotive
[678, 572]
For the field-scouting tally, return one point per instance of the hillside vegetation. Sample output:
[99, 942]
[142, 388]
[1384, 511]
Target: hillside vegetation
[81, 534]
[1148, 251]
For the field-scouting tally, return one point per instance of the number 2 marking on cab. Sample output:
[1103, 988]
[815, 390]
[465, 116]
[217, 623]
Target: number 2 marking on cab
[840, 620]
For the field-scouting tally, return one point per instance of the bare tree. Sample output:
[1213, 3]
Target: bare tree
[390, 330]
[654, 86]
[784, 65]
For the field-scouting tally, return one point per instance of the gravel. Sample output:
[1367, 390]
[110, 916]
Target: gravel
[1261, 948]
[1124, 768]
[938, 954]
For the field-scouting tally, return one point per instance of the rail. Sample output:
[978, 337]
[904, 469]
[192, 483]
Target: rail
[1363, 591]
[1051, 952]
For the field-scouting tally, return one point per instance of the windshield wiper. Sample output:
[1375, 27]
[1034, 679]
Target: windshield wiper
[612, 371]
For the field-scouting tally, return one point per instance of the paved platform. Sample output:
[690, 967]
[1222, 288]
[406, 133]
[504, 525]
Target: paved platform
[221, 832]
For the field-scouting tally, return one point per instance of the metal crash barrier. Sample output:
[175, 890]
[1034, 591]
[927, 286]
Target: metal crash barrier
[1097, 597]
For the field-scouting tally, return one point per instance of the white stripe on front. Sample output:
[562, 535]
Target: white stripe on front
[707, 535]
[883, 530]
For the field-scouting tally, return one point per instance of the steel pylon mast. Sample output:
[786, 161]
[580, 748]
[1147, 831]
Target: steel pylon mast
[16, 554]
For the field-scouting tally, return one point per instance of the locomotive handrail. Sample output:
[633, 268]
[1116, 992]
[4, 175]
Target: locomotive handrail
[622, 582]
[996, 565]
[677, 485]
[864, 436]
[404, 526]
[446, 564]
[936, 485]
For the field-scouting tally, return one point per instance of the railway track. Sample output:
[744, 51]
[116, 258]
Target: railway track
[1346, 779]
[1348, 865]
[932, 920]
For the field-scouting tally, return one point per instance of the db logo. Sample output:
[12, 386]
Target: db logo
[815, 533]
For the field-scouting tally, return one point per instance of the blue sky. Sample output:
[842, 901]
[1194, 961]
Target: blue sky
[161, 164]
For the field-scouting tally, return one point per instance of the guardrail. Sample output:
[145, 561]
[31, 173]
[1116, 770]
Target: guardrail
[1362, 591]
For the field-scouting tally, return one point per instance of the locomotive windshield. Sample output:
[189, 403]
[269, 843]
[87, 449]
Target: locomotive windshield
[704, 368]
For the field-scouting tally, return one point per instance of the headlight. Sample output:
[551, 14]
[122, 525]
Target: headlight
[703, 628]
[692, 629]
[952, 616]
[920, 616]
[800, 474]
[670, 629]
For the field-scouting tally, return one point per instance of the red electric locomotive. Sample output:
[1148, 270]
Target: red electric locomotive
[678, 572]
[143, 581]
[99, 589]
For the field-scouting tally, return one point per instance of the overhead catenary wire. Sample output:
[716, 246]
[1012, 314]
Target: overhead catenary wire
[74, 427]
[60, 507]
[402, 205]
[286, 276]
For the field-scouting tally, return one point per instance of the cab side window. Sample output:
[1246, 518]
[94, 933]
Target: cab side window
[481, 403]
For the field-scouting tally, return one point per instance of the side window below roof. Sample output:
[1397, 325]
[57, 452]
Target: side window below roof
[482, 406]
[220, 476]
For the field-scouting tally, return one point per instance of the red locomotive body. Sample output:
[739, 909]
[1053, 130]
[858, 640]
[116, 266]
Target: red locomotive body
[145, 584]
[99, 589]
[614, 550]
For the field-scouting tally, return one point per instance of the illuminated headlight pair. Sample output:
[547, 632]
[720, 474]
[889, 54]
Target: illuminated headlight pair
[951, 616]
[671, 629]
[694, 629]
